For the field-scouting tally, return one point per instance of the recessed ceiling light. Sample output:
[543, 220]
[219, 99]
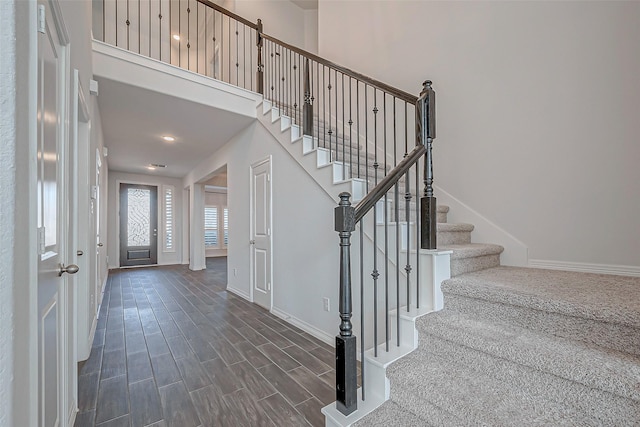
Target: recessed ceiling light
[157, 165]
[151, 168]
[168, 138]
[176, 37]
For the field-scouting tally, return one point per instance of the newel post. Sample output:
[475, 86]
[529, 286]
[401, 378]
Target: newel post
[346, 364]
[307, 111]
[426, 133]
[260, 73]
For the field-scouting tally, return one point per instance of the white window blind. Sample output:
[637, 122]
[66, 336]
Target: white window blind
[211, 226]
[226, 226]
[168, 219]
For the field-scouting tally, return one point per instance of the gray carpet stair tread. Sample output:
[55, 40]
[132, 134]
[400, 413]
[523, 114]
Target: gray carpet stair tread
[606, 298]
[607, 370]
[607, 408]
[476, 398]
[471, 250]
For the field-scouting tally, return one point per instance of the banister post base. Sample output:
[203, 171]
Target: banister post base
[428, 224]
[346, 375]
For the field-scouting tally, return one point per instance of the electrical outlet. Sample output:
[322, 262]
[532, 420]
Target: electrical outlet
[235, 272]
[327, 304]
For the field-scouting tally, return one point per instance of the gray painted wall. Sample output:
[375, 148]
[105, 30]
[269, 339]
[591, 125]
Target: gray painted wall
[537, 110]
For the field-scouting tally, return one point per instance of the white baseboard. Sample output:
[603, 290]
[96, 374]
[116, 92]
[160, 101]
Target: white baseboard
[311, 330]
[584, 267]
[239, 293]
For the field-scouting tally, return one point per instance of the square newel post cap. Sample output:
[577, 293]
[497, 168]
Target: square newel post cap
[345, 214]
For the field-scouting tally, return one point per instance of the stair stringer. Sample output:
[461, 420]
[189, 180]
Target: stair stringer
[315, 161]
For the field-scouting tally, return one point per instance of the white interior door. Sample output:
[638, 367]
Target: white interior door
[54, 323]
[260, 243]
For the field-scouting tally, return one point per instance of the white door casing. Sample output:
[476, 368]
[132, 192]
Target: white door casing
[260, 234]
[56, 343]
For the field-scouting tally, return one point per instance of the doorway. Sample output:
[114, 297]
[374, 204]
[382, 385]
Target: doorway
[138, 225]
[260, 243]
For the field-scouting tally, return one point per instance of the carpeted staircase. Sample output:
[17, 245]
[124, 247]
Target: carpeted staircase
[520, 347]
[513, 346]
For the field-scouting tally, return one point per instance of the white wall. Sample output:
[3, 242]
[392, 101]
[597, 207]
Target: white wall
[537, 110]
[113, 242]
[280, 19]
[305, 247]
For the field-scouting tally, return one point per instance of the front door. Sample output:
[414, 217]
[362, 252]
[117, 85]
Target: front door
[261, 233]
[138, 225]
[54, 335]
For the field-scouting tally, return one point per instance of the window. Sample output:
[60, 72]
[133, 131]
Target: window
[210, 226]
[226, 226]
[168, 219]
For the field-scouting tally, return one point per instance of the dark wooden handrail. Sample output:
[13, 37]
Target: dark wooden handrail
[378, 192]
[400, 94]
[229, 14]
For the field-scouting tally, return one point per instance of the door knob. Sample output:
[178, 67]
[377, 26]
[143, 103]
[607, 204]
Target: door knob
[79, 253]
[100, 245]
[71, 269]
[252, 242]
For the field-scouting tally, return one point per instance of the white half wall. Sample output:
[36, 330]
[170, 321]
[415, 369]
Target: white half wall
[537, 110]
[305, 246]
[113, 243]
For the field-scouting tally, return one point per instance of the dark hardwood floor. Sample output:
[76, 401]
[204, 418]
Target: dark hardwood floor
[174, 348]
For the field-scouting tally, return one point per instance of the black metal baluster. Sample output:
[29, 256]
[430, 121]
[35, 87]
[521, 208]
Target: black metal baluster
[375, 273]
[362, 326]
[116, 22]
[346, 364]
[366, 134]
[237, 56]
[273, 73]
[128, 26]
[335, 81]
[358, 123]
[417, 237]
[386, 228]
[307, 112]
[160, 32]
[213, 49]
[139, 38]
[104, 30]
[229, 49]
[351, 130]
[407, 268]
[396, 216]
[188, 36]
[330, 132]
[324, 109]
[344, 157]
[197, 37]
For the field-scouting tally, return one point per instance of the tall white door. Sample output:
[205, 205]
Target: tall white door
[260, 243]
[54, 379]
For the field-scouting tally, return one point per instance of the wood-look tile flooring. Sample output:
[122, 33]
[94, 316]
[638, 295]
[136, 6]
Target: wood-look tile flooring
[174, 348]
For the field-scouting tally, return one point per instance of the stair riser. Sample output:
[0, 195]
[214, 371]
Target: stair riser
[607, 335]
[468, 265]
[453, 237]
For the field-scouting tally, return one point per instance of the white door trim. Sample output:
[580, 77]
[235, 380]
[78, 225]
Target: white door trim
[268, 160]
